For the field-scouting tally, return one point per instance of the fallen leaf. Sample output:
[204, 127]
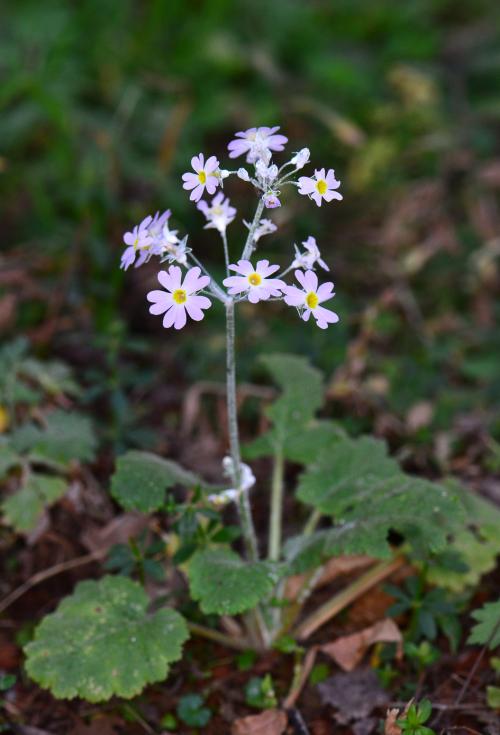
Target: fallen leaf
[419, 416]
[117, 531]
[390, 727]
[269, 722]
[99, 725]
[348, 650]
[354, 695]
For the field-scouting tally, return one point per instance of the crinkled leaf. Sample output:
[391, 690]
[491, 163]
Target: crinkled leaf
[476, 542]
[226, 584]
[345, 474]
[420, 510]
[54, 377]
[23, 509]
[301, 446]
[141, 479]
[101, 641]
[487, 628]
[302, 391]
[8, 458]
[65, 437]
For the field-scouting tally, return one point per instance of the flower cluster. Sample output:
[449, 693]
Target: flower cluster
[185, 295]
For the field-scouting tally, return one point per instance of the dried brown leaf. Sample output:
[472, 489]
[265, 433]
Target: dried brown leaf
[349, 650]
[390, 727]
[269, 722]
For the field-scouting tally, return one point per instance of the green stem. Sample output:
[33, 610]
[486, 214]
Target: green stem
[240, 644]
[312, 522]
[274, 548]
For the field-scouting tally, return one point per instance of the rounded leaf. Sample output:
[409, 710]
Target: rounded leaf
[101, 641]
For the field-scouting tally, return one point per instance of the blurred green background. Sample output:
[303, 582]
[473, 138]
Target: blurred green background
[103, 102]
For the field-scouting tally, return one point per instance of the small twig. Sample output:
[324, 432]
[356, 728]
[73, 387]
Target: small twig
[297, 722]
[139, 719]
[63, 566]
[478, 660]
[340, 601]
[471, 673]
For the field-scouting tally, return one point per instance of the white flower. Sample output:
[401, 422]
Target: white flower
[247, 478]
[265, 227]
[266, 174]
[169, 236]
[219, 214]
[243, 174]
[301, 158]
[175, 251]
[308, 259]
[219, 500]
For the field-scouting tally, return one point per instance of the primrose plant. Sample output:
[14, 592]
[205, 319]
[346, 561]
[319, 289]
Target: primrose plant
[103, 640]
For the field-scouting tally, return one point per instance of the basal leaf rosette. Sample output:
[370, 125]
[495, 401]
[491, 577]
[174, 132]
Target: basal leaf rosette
[101, 641]
[225, 584]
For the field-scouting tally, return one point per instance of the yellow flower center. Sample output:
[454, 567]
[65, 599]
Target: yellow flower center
[312, 300]
[254, 279]
[179, 296]
[202, 177]
[322, 186]
[136, 243]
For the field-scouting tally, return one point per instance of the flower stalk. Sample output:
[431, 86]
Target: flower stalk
[245, 512]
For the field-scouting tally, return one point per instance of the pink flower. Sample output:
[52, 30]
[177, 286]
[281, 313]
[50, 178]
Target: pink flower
[204, 178]
[309, 298]
[321, 186]
[257, 143]
[179, 298]
[271, 200]
[254, 280]
[219, 214]
[137, 240]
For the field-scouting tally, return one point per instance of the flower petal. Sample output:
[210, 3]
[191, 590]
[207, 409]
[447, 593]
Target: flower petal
[170, 279]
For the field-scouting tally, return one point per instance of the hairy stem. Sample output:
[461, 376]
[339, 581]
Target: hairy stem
[245, 512]
[249, 245]
[226, 250]
[340, 601]
[274, 548]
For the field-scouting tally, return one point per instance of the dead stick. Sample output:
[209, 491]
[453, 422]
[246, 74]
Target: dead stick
[338, 602]
[47, 573]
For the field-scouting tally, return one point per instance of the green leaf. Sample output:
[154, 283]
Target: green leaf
[226, 584]
[23, 509]
[366, 511]
[301, 446]
[493, 697]
[101, 641]
[66, 437]
[302, 395]
[349, 469]
[292, 413]
[141, 479]
[488, 625]
[191, 711]
[8, 459]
